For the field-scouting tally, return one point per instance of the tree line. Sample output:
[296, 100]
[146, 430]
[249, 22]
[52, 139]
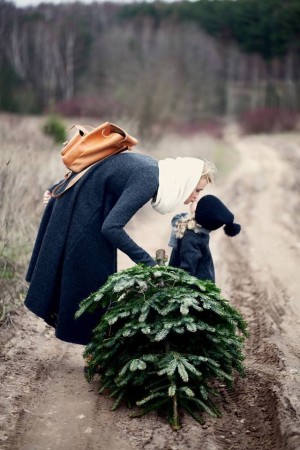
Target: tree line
[158, 61]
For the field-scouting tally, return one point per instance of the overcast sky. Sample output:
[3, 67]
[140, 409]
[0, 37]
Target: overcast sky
[37, 2]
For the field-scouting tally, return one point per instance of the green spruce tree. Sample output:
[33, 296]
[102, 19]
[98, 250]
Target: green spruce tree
[164, 340]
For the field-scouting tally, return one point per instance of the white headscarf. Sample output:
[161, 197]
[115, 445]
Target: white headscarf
[177, 180]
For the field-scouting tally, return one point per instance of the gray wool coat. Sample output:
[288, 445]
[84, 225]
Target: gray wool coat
[76, 246]
[192, 253]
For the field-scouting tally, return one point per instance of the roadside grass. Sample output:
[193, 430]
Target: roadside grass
[28, 164]
[226, 158]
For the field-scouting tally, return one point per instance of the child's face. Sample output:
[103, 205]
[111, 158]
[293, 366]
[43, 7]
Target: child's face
[194, 197]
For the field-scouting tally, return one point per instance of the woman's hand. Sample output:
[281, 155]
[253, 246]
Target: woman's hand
[46, 198]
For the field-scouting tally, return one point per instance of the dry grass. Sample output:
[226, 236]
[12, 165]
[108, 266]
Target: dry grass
[30, 162]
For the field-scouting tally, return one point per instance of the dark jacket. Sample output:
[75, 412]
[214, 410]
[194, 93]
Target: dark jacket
[193, 255]
[76, 246]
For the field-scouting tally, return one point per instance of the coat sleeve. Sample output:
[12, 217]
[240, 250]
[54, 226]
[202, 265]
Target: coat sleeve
[135, 195]
[190, 253]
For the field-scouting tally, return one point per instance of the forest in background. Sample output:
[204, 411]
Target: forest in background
[153, 62]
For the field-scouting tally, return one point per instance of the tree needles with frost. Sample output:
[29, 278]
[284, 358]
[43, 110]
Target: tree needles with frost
[164, 340]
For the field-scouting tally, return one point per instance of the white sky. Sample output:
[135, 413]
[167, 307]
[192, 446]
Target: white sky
[21, 3]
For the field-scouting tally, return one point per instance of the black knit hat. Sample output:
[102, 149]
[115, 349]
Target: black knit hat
[212, 214]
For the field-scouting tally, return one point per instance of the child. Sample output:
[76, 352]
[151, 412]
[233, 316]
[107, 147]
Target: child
[191, 246]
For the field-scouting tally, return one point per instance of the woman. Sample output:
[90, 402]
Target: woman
[80, 232]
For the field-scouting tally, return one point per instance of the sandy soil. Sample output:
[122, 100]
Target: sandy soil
[46, 404]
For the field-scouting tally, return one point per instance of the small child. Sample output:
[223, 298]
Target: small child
[190, 236]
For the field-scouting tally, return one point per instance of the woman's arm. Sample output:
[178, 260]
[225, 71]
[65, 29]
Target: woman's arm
[135, 195]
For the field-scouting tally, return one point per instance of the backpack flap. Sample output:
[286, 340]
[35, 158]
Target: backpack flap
[87, 147]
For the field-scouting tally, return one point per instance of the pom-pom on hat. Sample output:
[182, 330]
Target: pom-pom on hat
[212, 214]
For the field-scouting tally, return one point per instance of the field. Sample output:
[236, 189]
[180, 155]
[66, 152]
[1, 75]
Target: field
[45, 401]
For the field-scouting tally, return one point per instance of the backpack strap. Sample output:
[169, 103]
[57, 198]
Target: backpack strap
[56, 194]
[77, 177]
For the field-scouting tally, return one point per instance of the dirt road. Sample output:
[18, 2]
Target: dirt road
[46, 403]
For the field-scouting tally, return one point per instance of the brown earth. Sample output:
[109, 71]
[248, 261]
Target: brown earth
[46, 404]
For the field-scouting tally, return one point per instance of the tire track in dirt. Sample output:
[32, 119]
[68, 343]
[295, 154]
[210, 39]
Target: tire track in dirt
[63, 411]
[255, 399]
[272, 419]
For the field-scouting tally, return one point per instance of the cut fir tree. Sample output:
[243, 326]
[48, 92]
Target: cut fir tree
[164, 340]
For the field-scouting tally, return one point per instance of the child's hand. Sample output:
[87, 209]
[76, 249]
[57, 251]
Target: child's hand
[46, 198]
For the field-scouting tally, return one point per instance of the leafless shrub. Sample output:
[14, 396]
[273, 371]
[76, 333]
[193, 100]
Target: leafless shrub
[89, 106]
[268, 120]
